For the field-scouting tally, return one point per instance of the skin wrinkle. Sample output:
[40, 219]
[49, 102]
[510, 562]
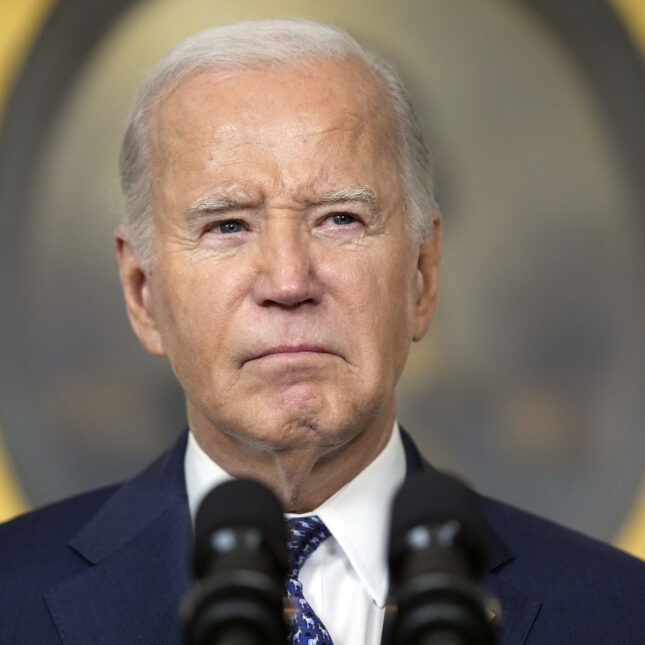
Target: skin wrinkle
[238, 204]
[303, 422]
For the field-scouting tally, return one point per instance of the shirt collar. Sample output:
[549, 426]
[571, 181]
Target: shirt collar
[360, 529]
[202, 474]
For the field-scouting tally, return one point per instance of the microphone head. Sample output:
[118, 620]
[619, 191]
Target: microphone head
[432, 499]
[239, 504]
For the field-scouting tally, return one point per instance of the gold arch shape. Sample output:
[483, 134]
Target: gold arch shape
[631, 536]
[19, 23]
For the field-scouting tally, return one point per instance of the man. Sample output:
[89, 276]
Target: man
[281, 247]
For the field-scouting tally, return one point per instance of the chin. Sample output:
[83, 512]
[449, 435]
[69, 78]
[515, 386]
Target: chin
[289, 433]
[299, 416]
[281, 429]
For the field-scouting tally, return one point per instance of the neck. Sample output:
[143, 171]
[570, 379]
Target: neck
[302, 476]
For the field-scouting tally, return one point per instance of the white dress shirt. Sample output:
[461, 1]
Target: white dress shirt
[346, 579]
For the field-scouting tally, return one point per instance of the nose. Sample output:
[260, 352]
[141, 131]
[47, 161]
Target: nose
[286, 267]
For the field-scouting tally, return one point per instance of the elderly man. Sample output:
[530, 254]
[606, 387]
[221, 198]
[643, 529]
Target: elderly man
[281, 247]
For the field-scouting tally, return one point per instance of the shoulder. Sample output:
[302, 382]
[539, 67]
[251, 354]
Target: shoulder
[49, 525]
[40, 540]
[34, 545]
[588, 591]
[36, 557]
[546, 546]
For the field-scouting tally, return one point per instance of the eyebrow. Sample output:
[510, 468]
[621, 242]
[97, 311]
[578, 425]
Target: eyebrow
[363, 194]
[225, 202]
[218, 203]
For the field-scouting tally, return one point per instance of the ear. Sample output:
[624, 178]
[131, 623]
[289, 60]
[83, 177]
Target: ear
[135, 283]
[427, 279]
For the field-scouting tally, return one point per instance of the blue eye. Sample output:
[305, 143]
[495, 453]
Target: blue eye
[230, 226]
[343, 219]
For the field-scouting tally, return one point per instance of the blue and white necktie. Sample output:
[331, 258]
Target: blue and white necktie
[304, 535]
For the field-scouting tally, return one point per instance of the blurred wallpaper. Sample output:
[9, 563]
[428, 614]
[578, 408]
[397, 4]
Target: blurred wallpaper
[530, 382]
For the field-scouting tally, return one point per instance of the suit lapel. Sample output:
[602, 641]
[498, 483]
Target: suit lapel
[519, 609]
[137, 547]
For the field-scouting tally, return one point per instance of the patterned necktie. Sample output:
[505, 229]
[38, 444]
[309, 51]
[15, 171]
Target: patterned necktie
[304, 536]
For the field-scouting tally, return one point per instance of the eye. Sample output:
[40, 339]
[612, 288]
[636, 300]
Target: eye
[342, 219]
[229, 226]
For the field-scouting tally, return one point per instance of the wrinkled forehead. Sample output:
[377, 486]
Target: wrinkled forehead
[346, 88]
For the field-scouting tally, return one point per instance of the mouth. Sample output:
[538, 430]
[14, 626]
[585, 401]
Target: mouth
[293, 349]
[294, 355]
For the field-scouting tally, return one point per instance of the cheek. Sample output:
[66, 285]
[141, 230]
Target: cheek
[194, 316]
[379, 301]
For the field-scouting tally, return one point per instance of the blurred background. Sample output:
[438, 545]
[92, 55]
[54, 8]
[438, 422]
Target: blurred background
[530, 382]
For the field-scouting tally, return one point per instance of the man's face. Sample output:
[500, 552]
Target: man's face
[285, 286]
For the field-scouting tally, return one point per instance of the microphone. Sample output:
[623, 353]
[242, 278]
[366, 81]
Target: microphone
[436, 560]
[239, 561]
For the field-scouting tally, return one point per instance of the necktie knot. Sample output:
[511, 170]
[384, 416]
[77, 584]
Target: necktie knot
[305, 534]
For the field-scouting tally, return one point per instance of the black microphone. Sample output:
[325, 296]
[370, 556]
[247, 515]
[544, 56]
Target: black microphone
[239, 561]
[436, 560]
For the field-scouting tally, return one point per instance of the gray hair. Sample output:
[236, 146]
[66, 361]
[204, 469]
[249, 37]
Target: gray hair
[248, 44]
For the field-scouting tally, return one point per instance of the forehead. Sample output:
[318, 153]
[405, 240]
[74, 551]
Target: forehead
[334, 104]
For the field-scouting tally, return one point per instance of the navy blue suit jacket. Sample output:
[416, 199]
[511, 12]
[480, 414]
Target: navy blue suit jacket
[110, 566]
